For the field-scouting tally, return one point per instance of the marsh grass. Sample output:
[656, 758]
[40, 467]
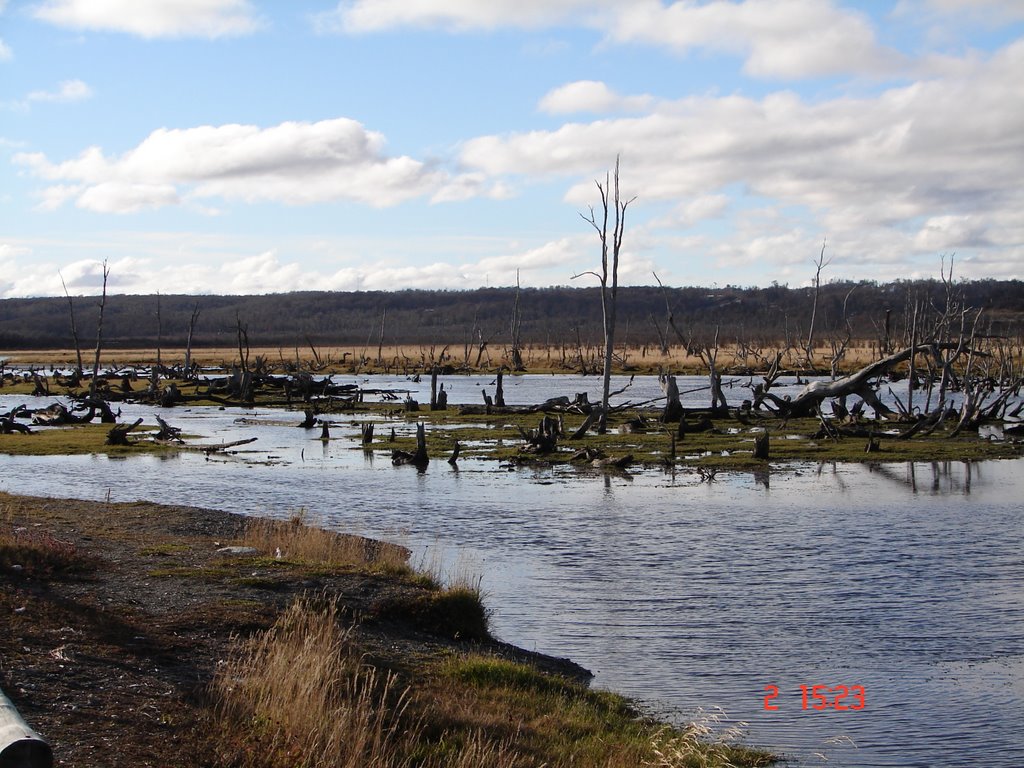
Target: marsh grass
[301, 540]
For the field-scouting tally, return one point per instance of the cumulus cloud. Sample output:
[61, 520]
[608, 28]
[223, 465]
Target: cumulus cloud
[199, 263]
[293, 163]
[590, 96]
[984, 11]
[948, 146]
[456, 15]
[154, 18]
[67, 91]
[777, 38]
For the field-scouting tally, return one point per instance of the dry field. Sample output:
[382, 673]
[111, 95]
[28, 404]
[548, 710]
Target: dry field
[412, 358]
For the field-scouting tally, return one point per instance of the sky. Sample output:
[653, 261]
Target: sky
[248, 146]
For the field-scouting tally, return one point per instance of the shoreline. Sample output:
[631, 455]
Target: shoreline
[117, 651]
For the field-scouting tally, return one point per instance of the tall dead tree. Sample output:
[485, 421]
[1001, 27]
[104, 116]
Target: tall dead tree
[188, 342]
[516, 327]
[99, 333]
[608, 277]
[159, 332]
[819, 264]
[74, 328]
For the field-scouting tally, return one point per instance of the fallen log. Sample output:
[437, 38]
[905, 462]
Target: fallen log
[859, 383]
[119, 434]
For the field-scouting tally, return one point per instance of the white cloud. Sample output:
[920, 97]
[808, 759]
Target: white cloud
[926, 167]
[6, 54]
[590, 96]
[292, 163]
[982, 11]
[67, 91]
[777, 38]
[457, 15]
[154, 18]
[956, 141]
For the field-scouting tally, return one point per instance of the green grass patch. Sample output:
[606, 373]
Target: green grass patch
[76, 440]
[557, 721]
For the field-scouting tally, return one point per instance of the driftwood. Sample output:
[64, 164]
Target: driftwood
[544, 439]
[419, 459]
[119, 434]
[613, 463]
[809, 400]
[167, 433]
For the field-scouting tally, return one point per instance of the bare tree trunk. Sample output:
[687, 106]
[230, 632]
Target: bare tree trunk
[380, 338]
[99, 333]
[819, 264]
[188, 342]
[74, 329]
[159, 332]
[609, 274]
[516, 331]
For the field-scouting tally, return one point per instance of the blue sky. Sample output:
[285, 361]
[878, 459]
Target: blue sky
[238, 146]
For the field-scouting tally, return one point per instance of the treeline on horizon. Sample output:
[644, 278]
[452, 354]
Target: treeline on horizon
[772, 316]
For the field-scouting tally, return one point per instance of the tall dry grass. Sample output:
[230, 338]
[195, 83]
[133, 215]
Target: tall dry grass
[308, 700]
[301, 539]
[298, 695]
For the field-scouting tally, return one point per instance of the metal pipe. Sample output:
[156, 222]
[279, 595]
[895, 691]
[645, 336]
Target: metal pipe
[20, 746]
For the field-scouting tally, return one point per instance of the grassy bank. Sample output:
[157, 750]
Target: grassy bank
[132, 637]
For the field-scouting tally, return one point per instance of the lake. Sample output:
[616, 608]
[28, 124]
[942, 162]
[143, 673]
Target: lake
[693, 596]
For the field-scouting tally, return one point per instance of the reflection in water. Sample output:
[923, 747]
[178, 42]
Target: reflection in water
[684, 589]
[947, 477]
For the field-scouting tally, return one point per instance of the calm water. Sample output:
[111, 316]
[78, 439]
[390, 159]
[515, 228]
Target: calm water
[907, 580]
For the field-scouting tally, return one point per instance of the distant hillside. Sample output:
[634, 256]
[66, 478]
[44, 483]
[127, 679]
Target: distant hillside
[549, 315]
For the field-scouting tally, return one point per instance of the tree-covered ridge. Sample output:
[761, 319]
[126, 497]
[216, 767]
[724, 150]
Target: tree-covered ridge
[557, 315]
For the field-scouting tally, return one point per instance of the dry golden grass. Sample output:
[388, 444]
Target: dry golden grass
[307, 700]
[300, 539]
[538, 358]
[298, 695]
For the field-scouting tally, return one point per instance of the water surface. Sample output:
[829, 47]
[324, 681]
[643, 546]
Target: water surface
[907, 580]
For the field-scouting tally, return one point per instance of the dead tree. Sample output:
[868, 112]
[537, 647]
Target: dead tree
[188, 341]
[499, 389]
[516, 333]
[419, 459]
[99, 333]
[608, 277]
[820, 263]
[673, 408]
[809, 400]
[79, 370]
[119, 434]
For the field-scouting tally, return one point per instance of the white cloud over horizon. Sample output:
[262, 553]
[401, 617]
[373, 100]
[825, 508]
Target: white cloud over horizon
[154, 18]
[292, 163]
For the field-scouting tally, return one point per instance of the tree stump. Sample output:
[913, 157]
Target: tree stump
[761, 447]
